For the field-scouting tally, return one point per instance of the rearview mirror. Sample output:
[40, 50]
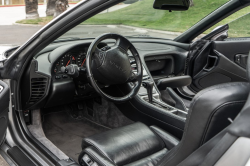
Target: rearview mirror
[177, 5]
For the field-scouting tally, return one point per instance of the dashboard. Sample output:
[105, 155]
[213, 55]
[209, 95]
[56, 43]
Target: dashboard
[46, 86]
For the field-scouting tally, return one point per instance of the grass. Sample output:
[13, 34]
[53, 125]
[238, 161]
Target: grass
[142, 14]
[38, 21]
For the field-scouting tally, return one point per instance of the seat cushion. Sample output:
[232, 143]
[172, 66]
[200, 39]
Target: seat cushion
[125, 145]
[150, 160]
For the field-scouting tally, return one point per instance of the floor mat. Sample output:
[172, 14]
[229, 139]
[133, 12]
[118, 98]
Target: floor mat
[67, 133]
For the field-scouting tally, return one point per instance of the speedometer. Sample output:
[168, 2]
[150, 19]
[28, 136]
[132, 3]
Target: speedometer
[67, 59]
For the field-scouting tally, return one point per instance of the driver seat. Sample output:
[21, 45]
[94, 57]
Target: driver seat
[138, 144]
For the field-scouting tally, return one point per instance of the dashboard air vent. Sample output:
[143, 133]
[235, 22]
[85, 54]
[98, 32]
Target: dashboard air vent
[38, 88]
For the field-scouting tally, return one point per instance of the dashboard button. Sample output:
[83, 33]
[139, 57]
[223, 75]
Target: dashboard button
[58, 77]
[65, 76]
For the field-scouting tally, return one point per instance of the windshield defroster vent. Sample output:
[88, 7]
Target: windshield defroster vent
[38, 89]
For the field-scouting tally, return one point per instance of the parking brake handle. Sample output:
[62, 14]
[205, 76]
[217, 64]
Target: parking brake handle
[149, 86]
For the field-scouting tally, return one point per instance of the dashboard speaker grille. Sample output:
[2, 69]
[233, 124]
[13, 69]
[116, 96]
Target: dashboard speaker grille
[38, 88]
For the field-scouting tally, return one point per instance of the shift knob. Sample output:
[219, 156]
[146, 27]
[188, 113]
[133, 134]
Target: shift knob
[149, 86]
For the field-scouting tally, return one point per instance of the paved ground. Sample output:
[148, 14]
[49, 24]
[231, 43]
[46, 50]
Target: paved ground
[12, 14]
[17, 34]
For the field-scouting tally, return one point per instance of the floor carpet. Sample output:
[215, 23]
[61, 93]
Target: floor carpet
[67, 133]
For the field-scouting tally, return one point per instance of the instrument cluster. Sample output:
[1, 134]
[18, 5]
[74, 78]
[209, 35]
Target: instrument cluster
[77, 57]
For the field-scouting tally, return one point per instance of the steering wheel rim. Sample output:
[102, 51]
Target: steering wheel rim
[125, 44]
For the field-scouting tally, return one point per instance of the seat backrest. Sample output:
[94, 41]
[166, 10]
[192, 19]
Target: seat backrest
[211, 111]
[229, 147]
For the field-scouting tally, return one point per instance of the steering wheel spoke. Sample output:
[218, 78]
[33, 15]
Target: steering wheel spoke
[134, 77]
[123, 43]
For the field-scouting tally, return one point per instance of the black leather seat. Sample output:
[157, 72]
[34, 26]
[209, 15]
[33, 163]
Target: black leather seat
[134, 144]
[231, 147]
[210, 112]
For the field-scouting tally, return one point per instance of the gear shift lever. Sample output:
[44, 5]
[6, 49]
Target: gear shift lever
[149, 86]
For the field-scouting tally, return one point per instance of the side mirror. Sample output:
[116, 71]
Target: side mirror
[218, 34]
[176, 5]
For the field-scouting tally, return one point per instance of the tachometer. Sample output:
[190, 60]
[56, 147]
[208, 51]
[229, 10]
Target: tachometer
[81, 59]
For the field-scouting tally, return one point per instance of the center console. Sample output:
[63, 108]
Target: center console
[150, 94]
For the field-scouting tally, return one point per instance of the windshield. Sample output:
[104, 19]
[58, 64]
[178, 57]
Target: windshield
[138, 18]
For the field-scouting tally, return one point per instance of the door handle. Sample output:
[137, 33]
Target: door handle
[241, 59]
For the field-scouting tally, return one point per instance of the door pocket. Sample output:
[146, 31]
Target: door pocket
[211, 63]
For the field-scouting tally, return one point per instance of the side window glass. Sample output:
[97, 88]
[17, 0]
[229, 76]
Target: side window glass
[239, 24]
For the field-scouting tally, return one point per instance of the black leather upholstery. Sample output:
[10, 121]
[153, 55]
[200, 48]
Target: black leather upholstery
[210, 153]
[130, 145]
[208, 115]
[174, 82]
[215, 149]
[150, 160]
[169, 140]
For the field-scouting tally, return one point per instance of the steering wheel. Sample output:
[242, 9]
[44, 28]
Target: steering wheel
[111, 66]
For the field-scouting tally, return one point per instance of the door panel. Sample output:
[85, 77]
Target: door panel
[225, 62]
[232, 47]
[4, 108]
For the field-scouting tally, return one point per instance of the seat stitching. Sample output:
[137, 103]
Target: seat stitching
[162, 136]
[215, 110]
[102, 163]
[181, 101]
[191, 110]
[214, 88]
[91, 143]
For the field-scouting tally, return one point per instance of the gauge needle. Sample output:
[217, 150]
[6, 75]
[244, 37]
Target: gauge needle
[83, 62]
[68, 63]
